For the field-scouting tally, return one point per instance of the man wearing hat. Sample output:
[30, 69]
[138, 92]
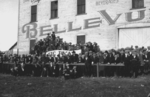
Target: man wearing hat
[110, 69]
[48, 36]
[141, 61]
[53, 36]
[88, 64]
[121, 58]
[146, 62]
[134, 64]
[95, 60]
[127, 66]
[74, 57]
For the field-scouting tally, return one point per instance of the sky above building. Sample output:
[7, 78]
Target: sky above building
[8, 23]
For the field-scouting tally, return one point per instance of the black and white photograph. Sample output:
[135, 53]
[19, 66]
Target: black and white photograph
[74, 48]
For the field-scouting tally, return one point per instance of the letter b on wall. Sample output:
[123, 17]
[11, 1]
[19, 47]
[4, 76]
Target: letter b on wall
[30, 30]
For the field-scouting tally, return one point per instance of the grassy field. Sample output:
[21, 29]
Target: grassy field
[11, 86]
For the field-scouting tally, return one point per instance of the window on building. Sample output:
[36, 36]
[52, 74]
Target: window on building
[81, 39]
[32, 44]
[33, 13]
[80, 7]
[54, 9]
[137, 3]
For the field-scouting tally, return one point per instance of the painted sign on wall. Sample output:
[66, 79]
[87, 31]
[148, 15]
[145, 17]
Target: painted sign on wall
[106, 2]
[35, 1]
[32, 27]
[32, 1]
[88, 24]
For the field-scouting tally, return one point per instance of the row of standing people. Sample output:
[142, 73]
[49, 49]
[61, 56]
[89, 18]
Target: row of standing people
[133, 61]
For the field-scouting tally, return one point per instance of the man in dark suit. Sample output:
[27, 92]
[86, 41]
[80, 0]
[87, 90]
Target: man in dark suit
[80, 59]
[29, 66]
[121, 58]
[127, 67]
[135, 64]
[36, 66]
[116, 61]
[95, 61]
[21, 69]
[68, 58]
[74, 57]
[55, 66]
[106, 61]
[146, 62]
[43, 65]
[48, 37]
[111, 56]
[80, 69]
[106, 57]
[50, 65]
[88, 65]
[53, 36]
[111, 69]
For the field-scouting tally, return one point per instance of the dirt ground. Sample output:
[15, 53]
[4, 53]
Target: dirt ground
[11, 86]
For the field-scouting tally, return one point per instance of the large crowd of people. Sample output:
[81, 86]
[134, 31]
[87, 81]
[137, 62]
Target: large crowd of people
[51, 42]
[135, 61]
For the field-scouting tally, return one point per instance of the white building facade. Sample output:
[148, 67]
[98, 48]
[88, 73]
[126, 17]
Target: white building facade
[112, 24]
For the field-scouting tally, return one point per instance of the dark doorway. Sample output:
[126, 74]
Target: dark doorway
[32, 44]
[81, 39]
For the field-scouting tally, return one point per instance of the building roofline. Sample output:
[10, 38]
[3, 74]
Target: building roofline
[13, 46]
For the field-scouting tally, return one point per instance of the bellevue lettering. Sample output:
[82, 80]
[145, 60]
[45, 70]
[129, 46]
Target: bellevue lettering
[141, 15]
[31, 28]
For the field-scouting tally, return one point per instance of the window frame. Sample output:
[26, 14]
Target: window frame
[78, 37]
[55, 10]
[34, 13]
[138, 6]
[81, 5]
